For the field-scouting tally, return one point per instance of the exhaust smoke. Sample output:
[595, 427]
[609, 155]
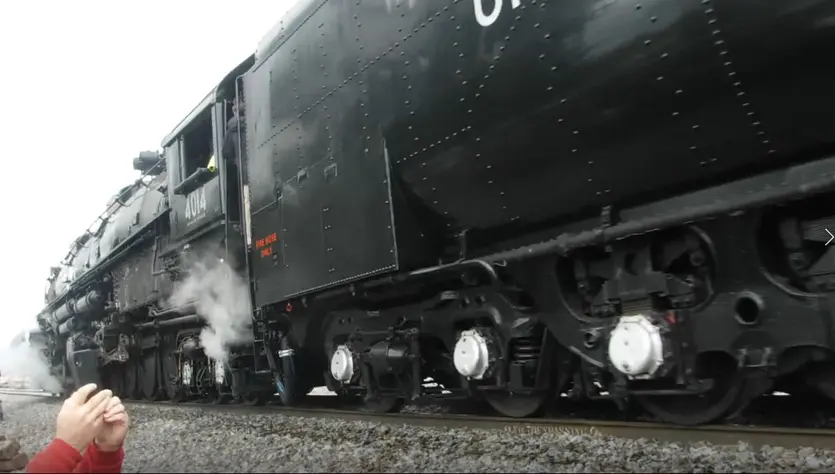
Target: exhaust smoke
[28, 363]
[221, 298]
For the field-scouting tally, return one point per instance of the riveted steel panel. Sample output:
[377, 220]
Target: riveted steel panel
[357, 216]
[301, 226]
[267, 253]
[513, 115]
[335, 226]
[196, 209]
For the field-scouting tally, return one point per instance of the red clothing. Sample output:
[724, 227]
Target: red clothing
[61, 457]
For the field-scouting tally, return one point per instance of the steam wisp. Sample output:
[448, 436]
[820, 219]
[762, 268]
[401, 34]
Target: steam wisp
[221, 298]
[30, 364]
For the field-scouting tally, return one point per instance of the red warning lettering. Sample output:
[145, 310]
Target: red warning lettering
[266, 241]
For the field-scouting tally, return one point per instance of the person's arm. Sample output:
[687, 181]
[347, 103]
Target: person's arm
[59, 456]
[83, 418]
[97, 461]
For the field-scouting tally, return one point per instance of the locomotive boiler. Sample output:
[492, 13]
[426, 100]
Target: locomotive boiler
[625, 201]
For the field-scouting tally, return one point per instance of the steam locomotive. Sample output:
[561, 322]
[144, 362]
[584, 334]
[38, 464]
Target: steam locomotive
[526, 201]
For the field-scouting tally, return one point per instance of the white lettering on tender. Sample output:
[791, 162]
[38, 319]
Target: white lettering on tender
[196, 204]
[487, 20]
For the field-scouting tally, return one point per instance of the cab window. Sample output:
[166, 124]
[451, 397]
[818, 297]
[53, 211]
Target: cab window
[197, 145]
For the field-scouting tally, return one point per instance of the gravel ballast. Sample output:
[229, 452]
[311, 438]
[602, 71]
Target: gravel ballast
[185, 439]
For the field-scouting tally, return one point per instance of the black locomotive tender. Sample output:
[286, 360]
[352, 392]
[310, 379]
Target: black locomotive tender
[526, 201]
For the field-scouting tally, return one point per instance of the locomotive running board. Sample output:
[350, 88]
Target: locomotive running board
[769, 188]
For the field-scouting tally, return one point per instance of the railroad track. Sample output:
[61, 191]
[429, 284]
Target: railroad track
[27, 392]
[717, 434]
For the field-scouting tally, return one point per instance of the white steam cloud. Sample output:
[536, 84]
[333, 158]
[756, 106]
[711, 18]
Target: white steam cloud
[27, 362]
[221, 298]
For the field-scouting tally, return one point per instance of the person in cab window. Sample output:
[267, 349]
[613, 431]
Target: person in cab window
[230, 140]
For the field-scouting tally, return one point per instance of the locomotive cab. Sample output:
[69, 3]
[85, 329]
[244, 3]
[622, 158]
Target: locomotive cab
[194, 191]
[204, 231]
[203, 189]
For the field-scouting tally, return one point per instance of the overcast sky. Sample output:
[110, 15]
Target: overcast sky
[87, 84]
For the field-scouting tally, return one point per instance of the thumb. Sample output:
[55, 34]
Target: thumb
[80, 396]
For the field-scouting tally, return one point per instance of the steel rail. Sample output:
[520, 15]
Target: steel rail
[25, 392]
[755, 436]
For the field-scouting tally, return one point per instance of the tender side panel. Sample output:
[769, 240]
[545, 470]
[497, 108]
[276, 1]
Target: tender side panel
[615, 104]
[302, 212]
[357, 210]
[317, 172]
[267, 252]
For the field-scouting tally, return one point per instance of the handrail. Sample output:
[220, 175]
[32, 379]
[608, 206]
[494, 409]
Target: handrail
[104, 216]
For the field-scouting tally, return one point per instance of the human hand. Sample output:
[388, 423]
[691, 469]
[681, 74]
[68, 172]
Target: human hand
[80, 419]
[112, 433]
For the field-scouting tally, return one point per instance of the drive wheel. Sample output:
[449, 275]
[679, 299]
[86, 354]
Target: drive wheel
[257, 398]
[381, 404]
[170, 375]
[698, 409]
[149, 377]
[222, 399]
[822, 378]
[129, 385]
[515, 406]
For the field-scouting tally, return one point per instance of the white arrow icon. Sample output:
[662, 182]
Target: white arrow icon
[831, 237]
